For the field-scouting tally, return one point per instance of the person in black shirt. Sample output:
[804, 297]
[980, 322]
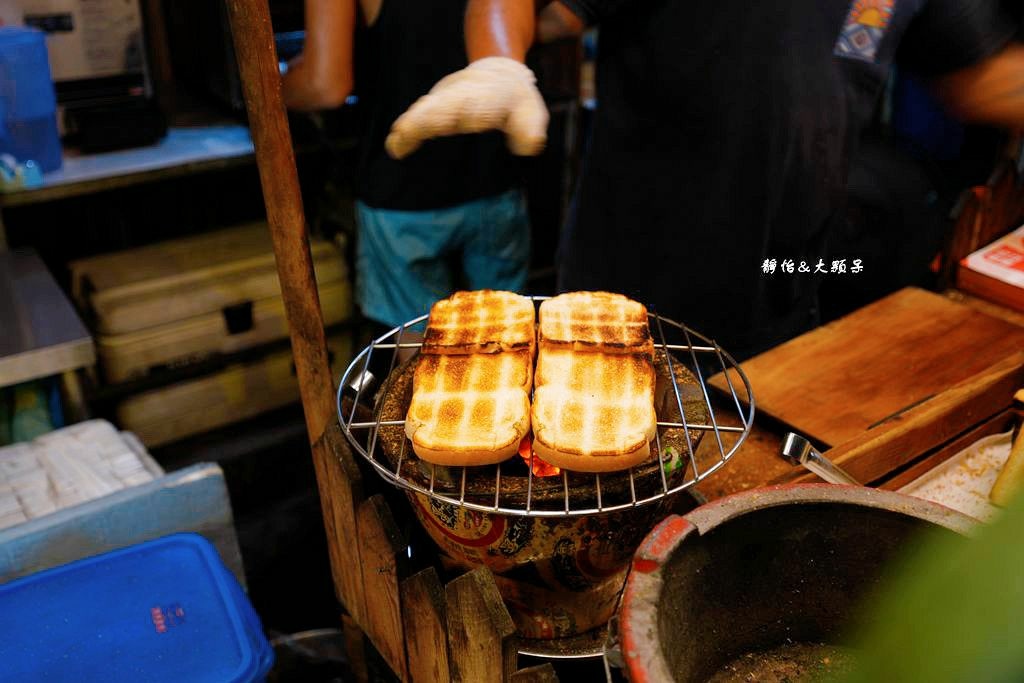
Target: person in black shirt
[723, 134]
[449, 215]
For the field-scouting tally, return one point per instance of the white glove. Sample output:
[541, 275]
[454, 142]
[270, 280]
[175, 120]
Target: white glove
[494, 93]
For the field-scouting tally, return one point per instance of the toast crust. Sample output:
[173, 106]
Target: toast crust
[482, 321]
[591, 463]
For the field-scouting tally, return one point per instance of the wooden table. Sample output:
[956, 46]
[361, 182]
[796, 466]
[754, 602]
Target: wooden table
[41, 335]
[901, 380]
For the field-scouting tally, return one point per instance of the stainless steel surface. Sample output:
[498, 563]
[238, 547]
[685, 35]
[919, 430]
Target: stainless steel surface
[673, 338]
[40, 332]
[798, 451]
[363, 382]
[585, 645]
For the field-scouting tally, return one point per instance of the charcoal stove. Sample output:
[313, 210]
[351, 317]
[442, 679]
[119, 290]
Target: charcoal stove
[559, 545]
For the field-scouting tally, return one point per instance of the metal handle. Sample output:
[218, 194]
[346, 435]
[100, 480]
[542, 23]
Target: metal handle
[799, 451]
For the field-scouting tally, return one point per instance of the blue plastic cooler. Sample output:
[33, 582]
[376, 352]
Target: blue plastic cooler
[164, 610]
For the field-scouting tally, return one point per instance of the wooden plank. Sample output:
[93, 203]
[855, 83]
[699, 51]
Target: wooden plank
[544, 673]
[341, 492]
[426, 635]
[987, 307]
[384, 562]
[875, 453]
[996, 425]
[480, 630]
[355, 649]
[840, 380]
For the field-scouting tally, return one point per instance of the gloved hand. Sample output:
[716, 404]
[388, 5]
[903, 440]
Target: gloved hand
[494, 93]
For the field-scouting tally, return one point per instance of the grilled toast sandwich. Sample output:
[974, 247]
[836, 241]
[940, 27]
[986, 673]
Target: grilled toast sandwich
[593, 401]
[593, 412]
[471, 387]
[470, 409]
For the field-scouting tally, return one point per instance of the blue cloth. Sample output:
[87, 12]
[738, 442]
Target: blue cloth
[407, 260]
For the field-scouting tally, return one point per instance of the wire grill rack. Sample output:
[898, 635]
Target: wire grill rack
[373, 422]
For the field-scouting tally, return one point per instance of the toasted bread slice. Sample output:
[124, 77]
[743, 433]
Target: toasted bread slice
[483, 321]
[593, 412]
[595, 321]
[471, 409]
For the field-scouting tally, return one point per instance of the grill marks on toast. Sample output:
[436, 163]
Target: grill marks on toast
[593, 404]
[484, 321]
[595, 321]
[469, 409]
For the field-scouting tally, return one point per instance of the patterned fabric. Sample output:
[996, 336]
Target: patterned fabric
[864, 29]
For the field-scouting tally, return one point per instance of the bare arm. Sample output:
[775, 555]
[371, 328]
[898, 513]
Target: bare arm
[321, 77]
[556, 21]
[991, 91]
[500, 28]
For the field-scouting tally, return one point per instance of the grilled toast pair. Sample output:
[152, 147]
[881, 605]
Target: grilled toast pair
[593, 405]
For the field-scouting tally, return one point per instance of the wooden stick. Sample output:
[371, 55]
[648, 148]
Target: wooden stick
[261, 84]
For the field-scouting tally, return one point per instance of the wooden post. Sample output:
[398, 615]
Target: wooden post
[339, 488]
[261, 84]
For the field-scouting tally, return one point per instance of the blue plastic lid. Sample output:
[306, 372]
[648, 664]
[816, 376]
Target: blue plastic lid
[162, 610]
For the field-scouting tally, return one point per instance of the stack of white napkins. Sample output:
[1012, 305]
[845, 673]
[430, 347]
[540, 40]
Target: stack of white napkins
[67, 467]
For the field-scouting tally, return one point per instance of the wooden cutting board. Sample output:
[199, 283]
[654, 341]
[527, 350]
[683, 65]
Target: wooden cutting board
[846, 377]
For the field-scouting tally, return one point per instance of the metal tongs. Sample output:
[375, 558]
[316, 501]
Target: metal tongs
[798, 451]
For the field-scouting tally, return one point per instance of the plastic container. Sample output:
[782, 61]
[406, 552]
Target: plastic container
[164, 610]
[28, 107]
